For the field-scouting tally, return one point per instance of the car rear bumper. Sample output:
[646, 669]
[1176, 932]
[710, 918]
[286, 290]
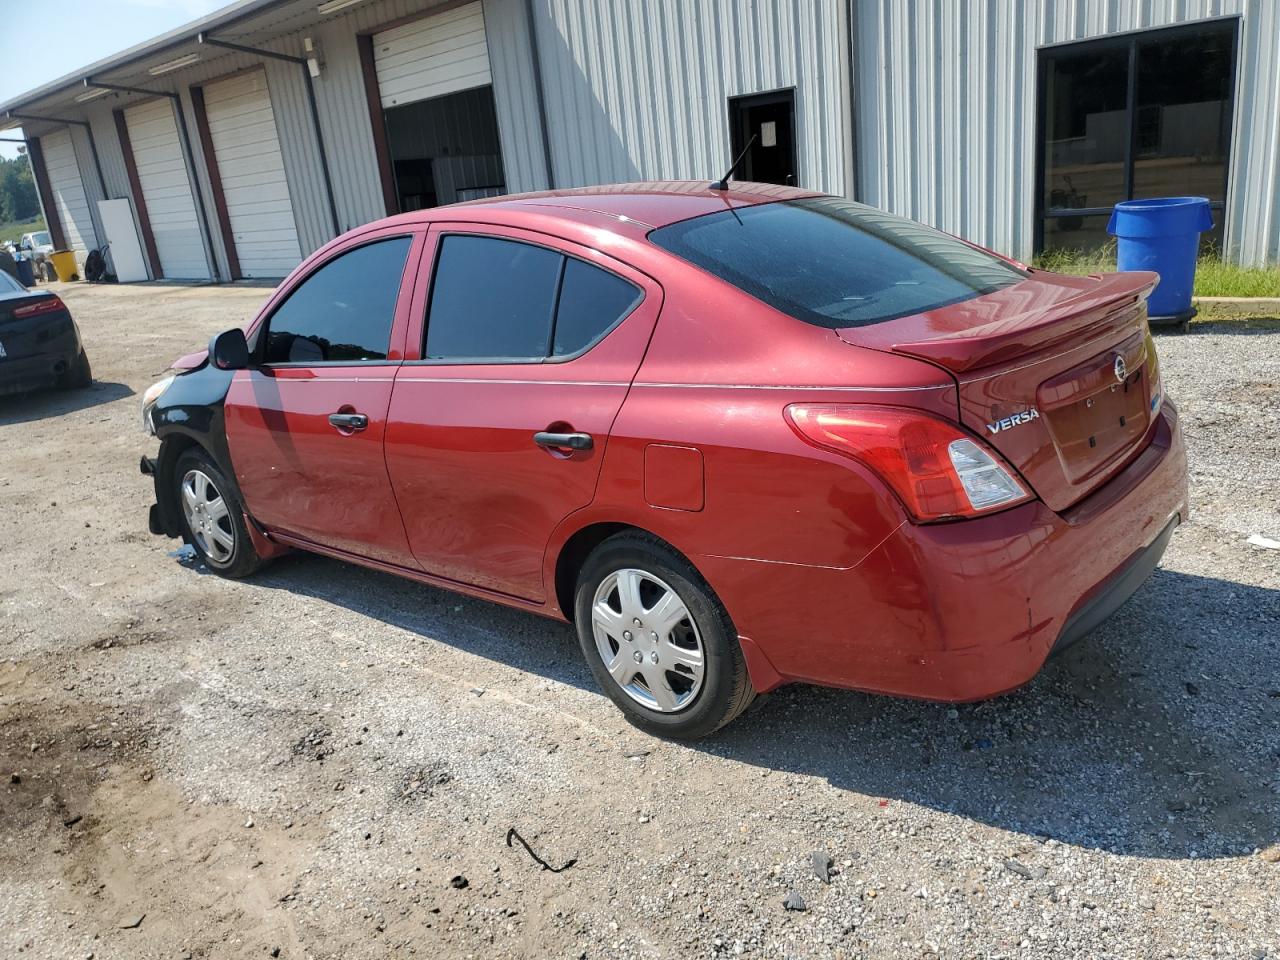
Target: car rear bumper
[43, 368]
[966, 610]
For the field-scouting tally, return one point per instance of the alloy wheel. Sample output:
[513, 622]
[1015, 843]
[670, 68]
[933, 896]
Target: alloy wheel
[208, 517]
[648, 640]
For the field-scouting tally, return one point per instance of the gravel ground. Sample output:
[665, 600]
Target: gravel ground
[325, 761]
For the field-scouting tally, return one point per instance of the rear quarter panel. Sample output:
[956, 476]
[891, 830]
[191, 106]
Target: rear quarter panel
[720, 370]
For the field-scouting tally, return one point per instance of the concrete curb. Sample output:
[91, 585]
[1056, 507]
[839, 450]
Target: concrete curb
[1238, 306]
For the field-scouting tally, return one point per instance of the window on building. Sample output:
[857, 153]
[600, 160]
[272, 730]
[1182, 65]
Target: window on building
[495, 299]
[344, 311]
[1142, 115]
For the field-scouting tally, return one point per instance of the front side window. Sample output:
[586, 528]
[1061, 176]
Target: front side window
[504, 300]
[342, 313]
[835, 263]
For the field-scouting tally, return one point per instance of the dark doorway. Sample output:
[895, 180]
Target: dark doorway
[1140, 115]
[771, 118]
[445, 150]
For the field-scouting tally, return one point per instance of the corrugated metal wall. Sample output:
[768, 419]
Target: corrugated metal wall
[946, 106]
[945, 95]
[639, 91]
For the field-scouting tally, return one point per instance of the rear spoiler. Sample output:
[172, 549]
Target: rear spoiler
[1017, 320]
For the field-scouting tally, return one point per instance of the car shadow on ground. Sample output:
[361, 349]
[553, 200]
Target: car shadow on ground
[1108, 748]
[52, 402]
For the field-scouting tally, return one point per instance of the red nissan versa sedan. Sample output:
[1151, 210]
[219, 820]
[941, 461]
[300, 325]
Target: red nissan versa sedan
[738, 437]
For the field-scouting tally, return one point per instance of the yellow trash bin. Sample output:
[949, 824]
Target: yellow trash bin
[64, 264]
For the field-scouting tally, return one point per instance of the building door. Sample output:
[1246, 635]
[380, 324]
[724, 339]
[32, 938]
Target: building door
[1122, 118]
[436, 96]
[246, 148]
[770, 118]
[166, 190]
[69, 196]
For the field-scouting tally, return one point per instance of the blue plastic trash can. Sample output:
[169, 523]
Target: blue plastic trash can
[26, 272]
[1163, 235]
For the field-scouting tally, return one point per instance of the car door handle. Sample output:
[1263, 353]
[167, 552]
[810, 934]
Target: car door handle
[348, 421]
[562, 441]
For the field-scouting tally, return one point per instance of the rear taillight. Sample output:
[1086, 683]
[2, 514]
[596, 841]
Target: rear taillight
[47, 305]
[935, 468]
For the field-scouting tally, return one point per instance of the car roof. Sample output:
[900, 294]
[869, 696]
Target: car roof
[626, 208]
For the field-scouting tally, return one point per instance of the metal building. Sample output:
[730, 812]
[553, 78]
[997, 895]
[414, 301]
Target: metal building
[245, 140]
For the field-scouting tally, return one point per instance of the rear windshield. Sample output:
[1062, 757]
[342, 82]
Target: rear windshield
[835, 263]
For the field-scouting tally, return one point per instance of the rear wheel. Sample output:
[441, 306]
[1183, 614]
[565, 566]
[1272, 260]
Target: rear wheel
[213, 520]
[658, 640]
[79, 374]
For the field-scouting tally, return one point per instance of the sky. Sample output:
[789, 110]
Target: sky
[82, 31]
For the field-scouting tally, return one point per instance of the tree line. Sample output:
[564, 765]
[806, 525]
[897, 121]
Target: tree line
[18, 199]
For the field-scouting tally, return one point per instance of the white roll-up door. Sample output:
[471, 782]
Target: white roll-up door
[68, 191]
[242, 127]
[166, 190]
[441, 53]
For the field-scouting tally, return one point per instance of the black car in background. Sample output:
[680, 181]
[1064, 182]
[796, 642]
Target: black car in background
[39, 342]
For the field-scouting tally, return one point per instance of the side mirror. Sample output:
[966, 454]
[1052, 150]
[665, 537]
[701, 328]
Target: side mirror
[229, 350]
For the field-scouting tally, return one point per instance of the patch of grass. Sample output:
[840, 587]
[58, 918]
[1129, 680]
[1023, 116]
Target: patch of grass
[13, 230]
[1214, 276]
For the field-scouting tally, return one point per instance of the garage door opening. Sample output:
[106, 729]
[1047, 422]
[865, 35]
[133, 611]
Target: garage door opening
[432, 107]
[445, 150]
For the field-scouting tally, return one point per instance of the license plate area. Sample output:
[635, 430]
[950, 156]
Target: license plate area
[1098, 410]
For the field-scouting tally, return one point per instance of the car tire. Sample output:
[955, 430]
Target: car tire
[675, 677]
[211, 516]
[78, 375]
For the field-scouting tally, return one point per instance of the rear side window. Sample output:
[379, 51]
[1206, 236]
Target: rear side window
[591, 301]
[344, 311]
[834, 263]
[496, 299]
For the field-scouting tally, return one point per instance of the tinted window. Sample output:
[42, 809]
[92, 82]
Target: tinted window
[343, 311]
[591, 302]
[491, 299]
[835, 263]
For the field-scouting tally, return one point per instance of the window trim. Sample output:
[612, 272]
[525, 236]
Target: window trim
[565, 255]
[263, 329]
[1130, 40]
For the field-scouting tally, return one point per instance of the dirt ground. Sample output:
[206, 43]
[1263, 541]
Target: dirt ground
[323, 761]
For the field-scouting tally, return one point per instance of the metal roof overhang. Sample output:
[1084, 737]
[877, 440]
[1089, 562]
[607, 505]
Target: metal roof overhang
[249, 22]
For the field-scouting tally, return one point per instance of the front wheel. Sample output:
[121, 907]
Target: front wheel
[213, 521]
[658, 640]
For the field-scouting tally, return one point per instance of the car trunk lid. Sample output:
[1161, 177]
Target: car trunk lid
[1056, 373]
